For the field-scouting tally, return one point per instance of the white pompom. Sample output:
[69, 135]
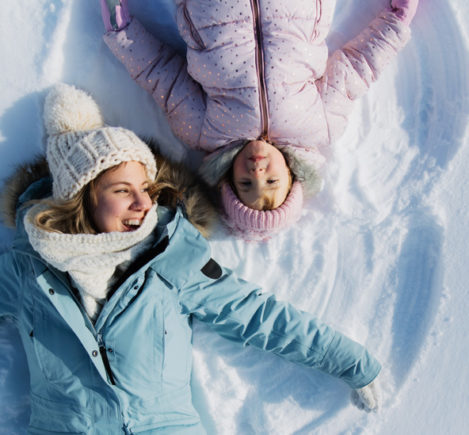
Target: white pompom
[69, 109]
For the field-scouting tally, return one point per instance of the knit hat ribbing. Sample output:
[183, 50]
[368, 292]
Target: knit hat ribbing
[80, 146]
[256, 225]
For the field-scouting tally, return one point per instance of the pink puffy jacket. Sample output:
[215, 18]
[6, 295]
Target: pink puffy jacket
[257, 68]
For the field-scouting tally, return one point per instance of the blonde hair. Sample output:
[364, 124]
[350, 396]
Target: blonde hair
[70, 216]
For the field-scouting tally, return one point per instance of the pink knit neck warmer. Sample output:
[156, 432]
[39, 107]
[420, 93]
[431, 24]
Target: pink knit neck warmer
[255, 225]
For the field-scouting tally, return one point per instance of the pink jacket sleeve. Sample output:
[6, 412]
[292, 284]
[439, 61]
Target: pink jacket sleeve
[351, 70]
[162, 72]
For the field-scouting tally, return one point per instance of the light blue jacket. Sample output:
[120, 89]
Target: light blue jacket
[131, 371]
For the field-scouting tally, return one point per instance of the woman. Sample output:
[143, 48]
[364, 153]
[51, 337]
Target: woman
[103, 283]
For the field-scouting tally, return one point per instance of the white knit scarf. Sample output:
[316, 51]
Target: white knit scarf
[90, 259]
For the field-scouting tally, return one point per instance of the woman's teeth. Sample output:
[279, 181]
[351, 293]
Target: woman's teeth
[132, 222]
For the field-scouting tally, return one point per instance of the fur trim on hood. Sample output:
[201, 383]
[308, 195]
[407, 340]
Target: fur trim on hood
[217, 165]
[16, 184]
[179, 187]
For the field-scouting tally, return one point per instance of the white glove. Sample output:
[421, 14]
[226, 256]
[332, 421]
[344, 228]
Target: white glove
[366, 398]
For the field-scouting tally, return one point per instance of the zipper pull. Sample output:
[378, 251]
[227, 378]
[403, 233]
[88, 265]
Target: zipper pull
[107, 364]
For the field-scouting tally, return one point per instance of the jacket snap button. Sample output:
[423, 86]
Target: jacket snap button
[51, 291]
[94, 353]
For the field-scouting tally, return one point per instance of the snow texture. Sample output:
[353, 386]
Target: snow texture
[380, 253]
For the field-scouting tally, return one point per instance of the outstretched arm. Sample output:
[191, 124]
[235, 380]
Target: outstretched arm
[158, 69]
[240, 311]
[351, 70]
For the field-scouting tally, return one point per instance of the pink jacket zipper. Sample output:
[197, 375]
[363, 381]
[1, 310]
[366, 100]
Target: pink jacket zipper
[260, 70]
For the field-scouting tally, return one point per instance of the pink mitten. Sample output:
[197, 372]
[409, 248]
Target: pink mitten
[115, 14]
[404, 9]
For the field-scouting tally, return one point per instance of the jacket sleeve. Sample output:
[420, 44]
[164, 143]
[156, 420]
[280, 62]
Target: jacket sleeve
[351, 70]
[10, 284]
[240, 311]
[162, 72]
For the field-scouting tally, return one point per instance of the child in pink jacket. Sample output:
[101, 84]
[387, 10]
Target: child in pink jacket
[258, 92]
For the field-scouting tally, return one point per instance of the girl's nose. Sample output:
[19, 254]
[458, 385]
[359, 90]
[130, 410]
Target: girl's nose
[257, 171]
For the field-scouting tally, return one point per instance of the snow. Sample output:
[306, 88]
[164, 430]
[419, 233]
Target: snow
[380, 253]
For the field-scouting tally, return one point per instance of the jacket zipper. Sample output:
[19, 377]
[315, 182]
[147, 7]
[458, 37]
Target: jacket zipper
[102, 348]
[318, 17]
[99, 337]
[195, 34]
[260, 69]
[107, 364]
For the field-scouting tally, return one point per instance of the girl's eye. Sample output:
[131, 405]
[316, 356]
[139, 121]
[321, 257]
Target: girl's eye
[271, 181]
[245, 183]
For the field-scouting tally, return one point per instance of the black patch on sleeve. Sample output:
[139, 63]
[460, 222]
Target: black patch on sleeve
[212, 269]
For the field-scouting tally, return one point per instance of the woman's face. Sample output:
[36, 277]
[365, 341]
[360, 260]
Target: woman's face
[122, 199]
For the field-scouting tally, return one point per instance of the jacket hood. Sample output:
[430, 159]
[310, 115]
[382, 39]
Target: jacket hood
[304, 164]
[23, 177]
[179, 187]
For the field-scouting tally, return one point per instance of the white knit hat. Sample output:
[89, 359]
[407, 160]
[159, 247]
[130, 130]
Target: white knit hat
[80, 146]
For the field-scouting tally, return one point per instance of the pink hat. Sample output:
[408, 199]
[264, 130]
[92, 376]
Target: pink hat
[258, 225]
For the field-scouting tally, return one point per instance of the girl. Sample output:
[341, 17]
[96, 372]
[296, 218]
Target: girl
[257, 92]
[102, 282]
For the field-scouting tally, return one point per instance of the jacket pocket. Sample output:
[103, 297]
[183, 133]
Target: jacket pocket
[59, 354]
[177, 361]
[135, 340]
[53, 417]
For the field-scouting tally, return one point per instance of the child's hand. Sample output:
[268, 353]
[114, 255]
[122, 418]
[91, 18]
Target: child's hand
[366, 398]
[404, 9]
[115, 14]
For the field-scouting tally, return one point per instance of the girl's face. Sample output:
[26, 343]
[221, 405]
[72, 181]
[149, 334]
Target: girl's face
[121, 198]
[261, 176]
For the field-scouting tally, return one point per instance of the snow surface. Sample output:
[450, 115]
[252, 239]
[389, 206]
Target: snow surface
[380, 253]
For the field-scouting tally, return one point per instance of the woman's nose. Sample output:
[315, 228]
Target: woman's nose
[141, 201]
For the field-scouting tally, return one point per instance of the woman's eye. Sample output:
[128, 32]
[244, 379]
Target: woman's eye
[245, 183]
[271, 181]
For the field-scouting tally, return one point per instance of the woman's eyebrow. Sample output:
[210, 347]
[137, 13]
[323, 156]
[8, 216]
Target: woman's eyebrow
[113, 183]
[127, 183]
